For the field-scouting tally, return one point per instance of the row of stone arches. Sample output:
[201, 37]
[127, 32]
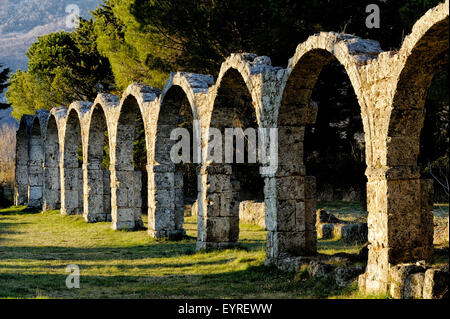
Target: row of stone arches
[59, 153]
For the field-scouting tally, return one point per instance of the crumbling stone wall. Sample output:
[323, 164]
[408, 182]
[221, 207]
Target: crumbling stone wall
[390, 87]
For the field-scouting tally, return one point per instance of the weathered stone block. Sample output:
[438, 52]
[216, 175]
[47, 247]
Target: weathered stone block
[292, 187]
[290, 243]
[435, 283]
[399, 275]
[325, 231]
[251, 212]
[414, 286]
[222, 229]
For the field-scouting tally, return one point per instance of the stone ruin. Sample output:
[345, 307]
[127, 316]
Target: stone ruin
[391, 89]
[330, 227]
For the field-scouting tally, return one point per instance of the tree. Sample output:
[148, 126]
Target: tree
[136, 52]
[205, 32]
[4, 72]
[27, 94]
[144, 40]
[63, 67]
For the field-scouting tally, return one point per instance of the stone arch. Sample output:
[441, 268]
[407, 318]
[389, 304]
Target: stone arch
[290, 194]
[421, 56]
[71, 170]
[246, 68]
[21, 170]
[400, 203]
[52, 155]
[97, 191]
[36, 159]
[176, 106]
[126, 183]
[235, 103]
[304, 69]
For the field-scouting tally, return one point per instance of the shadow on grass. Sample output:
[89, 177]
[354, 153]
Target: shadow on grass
[255, 281]
[6, 229]
[156, 250]
[19, 210]
[148, 265]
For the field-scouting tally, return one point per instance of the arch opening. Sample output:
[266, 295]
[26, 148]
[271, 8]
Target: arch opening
[316, 128]
[234, 187]
[97, 191]
[433, 159]
[175, 183]
[128, 191]
[334, 153]
[72, 172]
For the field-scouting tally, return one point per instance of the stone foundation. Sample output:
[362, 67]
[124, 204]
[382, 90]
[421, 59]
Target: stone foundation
[338, 270]
[416, 281]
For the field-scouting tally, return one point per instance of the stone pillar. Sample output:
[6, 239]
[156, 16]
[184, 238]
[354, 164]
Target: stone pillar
[122, 197]
[94, 210]
[52, 157]
[70, 191]
[21, 169]
[71, 183]
[137, 204]
[290, 217]
[290, 201]
[51, 196]
[35, 171]
[400, 222]
[21, 185]
[166, 200]
[218, 208]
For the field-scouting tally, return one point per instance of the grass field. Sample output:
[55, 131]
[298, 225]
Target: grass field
[353, 211]
[36, 248]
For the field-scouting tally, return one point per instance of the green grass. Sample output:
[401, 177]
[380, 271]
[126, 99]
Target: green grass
[353, 211]
[36, 248]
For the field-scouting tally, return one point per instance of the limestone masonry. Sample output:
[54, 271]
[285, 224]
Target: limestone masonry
[391, 89]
